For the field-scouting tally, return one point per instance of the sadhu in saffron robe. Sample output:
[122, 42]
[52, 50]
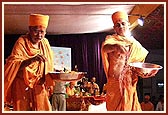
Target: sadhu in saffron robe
[117, 53]
[23, 87]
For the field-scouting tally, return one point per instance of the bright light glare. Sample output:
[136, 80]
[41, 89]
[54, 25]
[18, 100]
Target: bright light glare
[141, 21]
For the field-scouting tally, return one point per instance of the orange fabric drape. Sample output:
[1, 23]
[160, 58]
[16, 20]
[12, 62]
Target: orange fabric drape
[20, 85]
[125, 100]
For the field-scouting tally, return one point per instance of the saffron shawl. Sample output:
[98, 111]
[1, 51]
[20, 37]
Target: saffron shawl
[125, 100]
[22, 50]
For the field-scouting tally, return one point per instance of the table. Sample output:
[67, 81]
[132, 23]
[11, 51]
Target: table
[81, 103]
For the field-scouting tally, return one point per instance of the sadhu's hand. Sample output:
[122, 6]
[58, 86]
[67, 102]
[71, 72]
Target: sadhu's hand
[115, 47]
[39, 57]
[144, 75]
[150, 74]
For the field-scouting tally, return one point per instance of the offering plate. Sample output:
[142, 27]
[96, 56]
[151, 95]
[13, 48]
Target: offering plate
[70, 76]
[145, 70]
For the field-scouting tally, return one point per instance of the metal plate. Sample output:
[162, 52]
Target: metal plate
[71, 76]
[145, 70]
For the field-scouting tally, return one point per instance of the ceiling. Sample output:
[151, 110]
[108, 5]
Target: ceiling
[152, 35]
[77, 18]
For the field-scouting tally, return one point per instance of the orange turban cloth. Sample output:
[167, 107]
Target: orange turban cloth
[38, 20]
[119, 15]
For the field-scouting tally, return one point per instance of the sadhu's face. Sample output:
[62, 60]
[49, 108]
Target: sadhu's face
[37, 33]
[121, 27]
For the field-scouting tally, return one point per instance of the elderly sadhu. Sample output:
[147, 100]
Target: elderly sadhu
[118, 50]
[25, 83]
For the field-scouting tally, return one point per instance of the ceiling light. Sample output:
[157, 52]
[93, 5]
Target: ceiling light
[141, 21]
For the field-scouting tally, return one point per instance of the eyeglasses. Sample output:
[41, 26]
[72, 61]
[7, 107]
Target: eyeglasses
[120, 24]
[39, 31]
[36, 31]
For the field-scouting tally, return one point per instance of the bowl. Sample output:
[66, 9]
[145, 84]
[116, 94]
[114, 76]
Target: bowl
[145, 70]
[70, 76]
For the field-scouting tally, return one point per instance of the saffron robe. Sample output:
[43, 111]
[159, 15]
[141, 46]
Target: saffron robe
[121, 81]
[22, 87]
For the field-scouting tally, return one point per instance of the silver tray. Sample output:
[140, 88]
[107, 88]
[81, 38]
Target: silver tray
[145, 69]
[71, 76]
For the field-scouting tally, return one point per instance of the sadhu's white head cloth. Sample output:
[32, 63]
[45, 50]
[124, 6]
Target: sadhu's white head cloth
[38, 20]
[119, 15]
